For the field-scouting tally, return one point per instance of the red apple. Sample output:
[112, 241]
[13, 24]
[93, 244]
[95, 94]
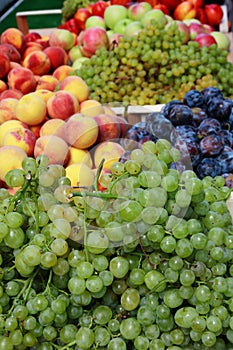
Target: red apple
[195, 29]
[32, 36]
[109, 127]
[81, 16]
[171, 4]
[183, 28]
[138, 10]
[91, 39]
[201, 15]
[99, 7]
[205, 39]
[162, 8]
[197, 3]
[214, 14]
[184, 10]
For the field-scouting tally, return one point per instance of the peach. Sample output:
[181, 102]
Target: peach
[77, 86]
[38, 62]
[11, 93]
[36, 129]
[57, 55]
[44, 94]
[91, 108]
[109, 127]
[11, 157]
[31, 47]
[62, 72]
[47, 82]
[22, 138]
[80, 175]
[3, 86]
[54, 147]
[81, 132]
[11, 125]
[15, 37]
[22, 79]
[4, 65]
[31, 109]
[62, 38]
[14, 65]
[110, 151]
[43, 41]
[79, 156]
[11, 51]
[7, 109]
[53, 127]
[62, 105]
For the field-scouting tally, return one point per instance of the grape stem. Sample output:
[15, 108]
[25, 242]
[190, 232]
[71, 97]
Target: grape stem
[65, 347]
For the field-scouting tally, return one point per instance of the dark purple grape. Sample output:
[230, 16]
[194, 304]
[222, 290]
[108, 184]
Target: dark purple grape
[181, 115]
[167, 107]
[219, 108]
[125, 156]
[189, 151]
[228, 179]
[193, 98]
[211, 93]
[227, 137]
[226, 162]
[208, 167]
[211, 145]
[136, 135]
[158, 125]
[183, 131]
[198, 115]
[208, 126]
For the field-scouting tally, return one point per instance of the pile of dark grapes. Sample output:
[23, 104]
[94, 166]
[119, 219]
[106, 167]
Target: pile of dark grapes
[155, 67]
[200, 126]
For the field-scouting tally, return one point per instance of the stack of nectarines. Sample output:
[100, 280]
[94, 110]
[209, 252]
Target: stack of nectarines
[44, 109]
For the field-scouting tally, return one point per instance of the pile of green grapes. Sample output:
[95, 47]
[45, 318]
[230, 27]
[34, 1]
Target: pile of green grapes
[144, 264]
[155, 67]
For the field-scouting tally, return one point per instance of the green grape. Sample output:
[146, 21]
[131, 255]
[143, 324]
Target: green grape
[84, 337]
[15, 178]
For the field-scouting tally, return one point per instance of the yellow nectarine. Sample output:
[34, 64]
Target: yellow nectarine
[81, 132]
[108, 150]
[80, 175]
[79, 156]
[91, 108]
[7, 109]
[54, 147]
[31, 109]
[53, 127]
[77, 86]
[11, 157]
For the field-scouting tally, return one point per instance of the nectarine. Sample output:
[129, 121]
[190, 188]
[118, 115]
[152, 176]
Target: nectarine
[62, 72]
[54, 147]
[62, 105]
[21, 79]
[110, 151]
[53, 127]
[79, 156]
[7, 109]
[47, 82]
[11, 157]
[77, 86]
[31, 109]
[80, 175]
[81, 132]
[38, 62]
[15, 37]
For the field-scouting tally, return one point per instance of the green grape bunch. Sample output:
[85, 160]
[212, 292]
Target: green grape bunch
[154, 67]
[142, 259]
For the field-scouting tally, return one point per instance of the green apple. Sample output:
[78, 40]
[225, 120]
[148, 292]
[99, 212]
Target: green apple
[133, 28]
[121, 25]
[137, 10]
[156, 15]
[74, 53]
[223, 42]
[78, 62]
[95, 21]
[113, 14]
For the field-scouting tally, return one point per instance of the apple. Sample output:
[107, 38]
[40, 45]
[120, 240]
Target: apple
[109, 127]
[156, 15]
[197, 3]
[79, 61]
[162, 8]
[74, 53]
[183, 28]
[133, 28]
[113, 14]
[208, 29]
[121, 25]
[201, 15]
[223, 42]
[184, 10]
[91, 39]
[81, 16]
[170, 4]
[138, 10]
[205, 39]
[99, 8]
[95, 21]
[195, 29]
[214, 14]
[62, 38]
